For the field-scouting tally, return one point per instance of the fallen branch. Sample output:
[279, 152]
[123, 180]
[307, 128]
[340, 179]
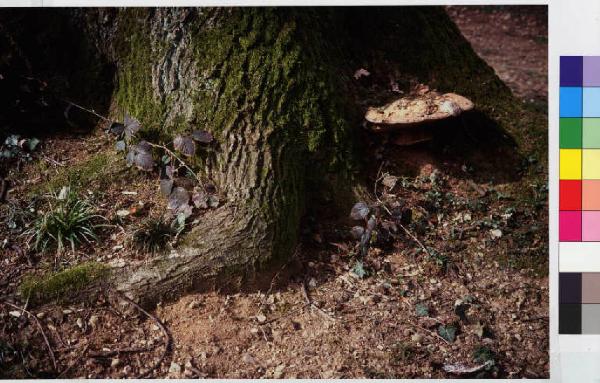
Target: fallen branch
[461, 369]
[41, 330]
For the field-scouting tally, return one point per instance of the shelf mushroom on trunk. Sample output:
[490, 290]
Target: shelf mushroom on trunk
[413, 119]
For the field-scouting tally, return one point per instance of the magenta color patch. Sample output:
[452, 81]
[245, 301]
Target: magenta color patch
[570, 226]
[590, 230]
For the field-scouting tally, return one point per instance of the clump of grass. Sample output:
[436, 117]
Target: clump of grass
[154, 233]
[69, 220]
[62, 283]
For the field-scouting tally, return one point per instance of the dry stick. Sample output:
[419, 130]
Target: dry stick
[41, 330]
[434, 334]
[310, 303]
[177, 158]
[159, 324]
[87, 110]
[390, 213]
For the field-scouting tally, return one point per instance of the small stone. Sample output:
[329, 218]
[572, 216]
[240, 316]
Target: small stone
[194, 304]
[254, 330]
[115, 362]
[312, 283]
[123, 213]
[261, 318]
[155, 327]
[496, 233]
[248, 359]
[40, 315]
[406, 332]
[79, 322]
[278, 374]
[93, 321]
[127, 370]
[174, 368]
[417, 338]
[15, 313]
[67, 311]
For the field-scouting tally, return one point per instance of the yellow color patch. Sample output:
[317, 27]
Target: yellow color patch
[591, 164]
[570, 164]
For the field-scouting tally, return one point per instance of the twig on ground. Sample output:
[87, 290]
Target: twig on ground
[41, 330]
[159, 324]
[75, 362]
[411, 235]
[310, 303]
[106, 354]
[432, 333]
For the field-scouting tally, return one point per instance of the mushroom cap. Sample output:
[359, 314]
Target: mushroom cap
[416, 110]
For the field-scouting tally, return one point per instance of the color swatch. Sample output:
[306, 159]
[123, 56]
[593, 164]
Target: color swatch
[579, 149]
[579, 311]
[579, 195]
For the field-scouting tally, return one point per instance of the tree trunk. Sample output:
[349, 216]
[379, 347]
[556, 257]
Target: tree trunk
[275, 88]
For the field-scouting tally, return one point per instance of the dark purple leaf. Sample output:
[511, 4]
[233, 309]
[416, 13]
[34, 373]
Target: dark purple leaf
[185, 145]
[357, 232]
[200, 199]
[131, 126]
[165, 187]
[179, 196]
[359, 211]
[144, 161]
[116, 128]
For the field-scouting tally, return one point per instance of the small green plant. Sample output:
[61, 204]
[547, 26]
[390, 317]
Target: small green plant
[154, 233]
[69, 220]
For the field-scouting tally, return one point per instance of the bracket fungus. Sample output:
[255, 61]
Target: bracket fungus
[413, 118]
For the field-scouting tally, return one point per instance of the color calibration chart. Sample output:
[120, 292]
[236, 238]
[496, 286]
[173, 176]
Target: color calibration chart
[579, 199]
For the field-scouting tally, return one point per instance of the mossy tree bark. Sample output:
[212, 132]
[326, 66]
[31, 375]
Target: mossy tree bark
[275, 87]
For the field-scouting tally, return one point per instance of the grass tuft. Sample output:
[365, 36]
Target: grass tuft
[69, 220]
[153, 234]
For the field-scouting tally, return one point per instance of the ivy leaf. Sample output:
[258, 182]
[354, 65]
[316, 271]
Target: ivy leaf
[200, 199]
[359, 211]
[32, 144]
[120, 146]
[447, 332]
[116, 128]
[144, 146]
[130, 158]
[12, 140]
[202, 136]
[165, 187]
[357, 232]
[132, 126]
[170, 171]
[185, 145]
[144, 161]
[165, 159]
[179, 197]
[422, 310]
[213, 201]
[359, 270]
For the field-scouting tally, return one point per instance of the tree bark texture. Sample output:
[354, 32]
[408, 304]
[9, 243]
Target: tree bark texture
[275, 88]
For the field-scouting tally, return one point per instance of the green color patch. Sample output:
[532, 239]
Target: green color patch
[63, 283]
[591, 133]
[570, 133]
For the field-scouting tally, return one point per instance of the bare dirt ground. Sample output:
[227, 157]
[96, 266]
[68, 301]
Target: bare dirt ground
[463, 293]
[514, 41]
